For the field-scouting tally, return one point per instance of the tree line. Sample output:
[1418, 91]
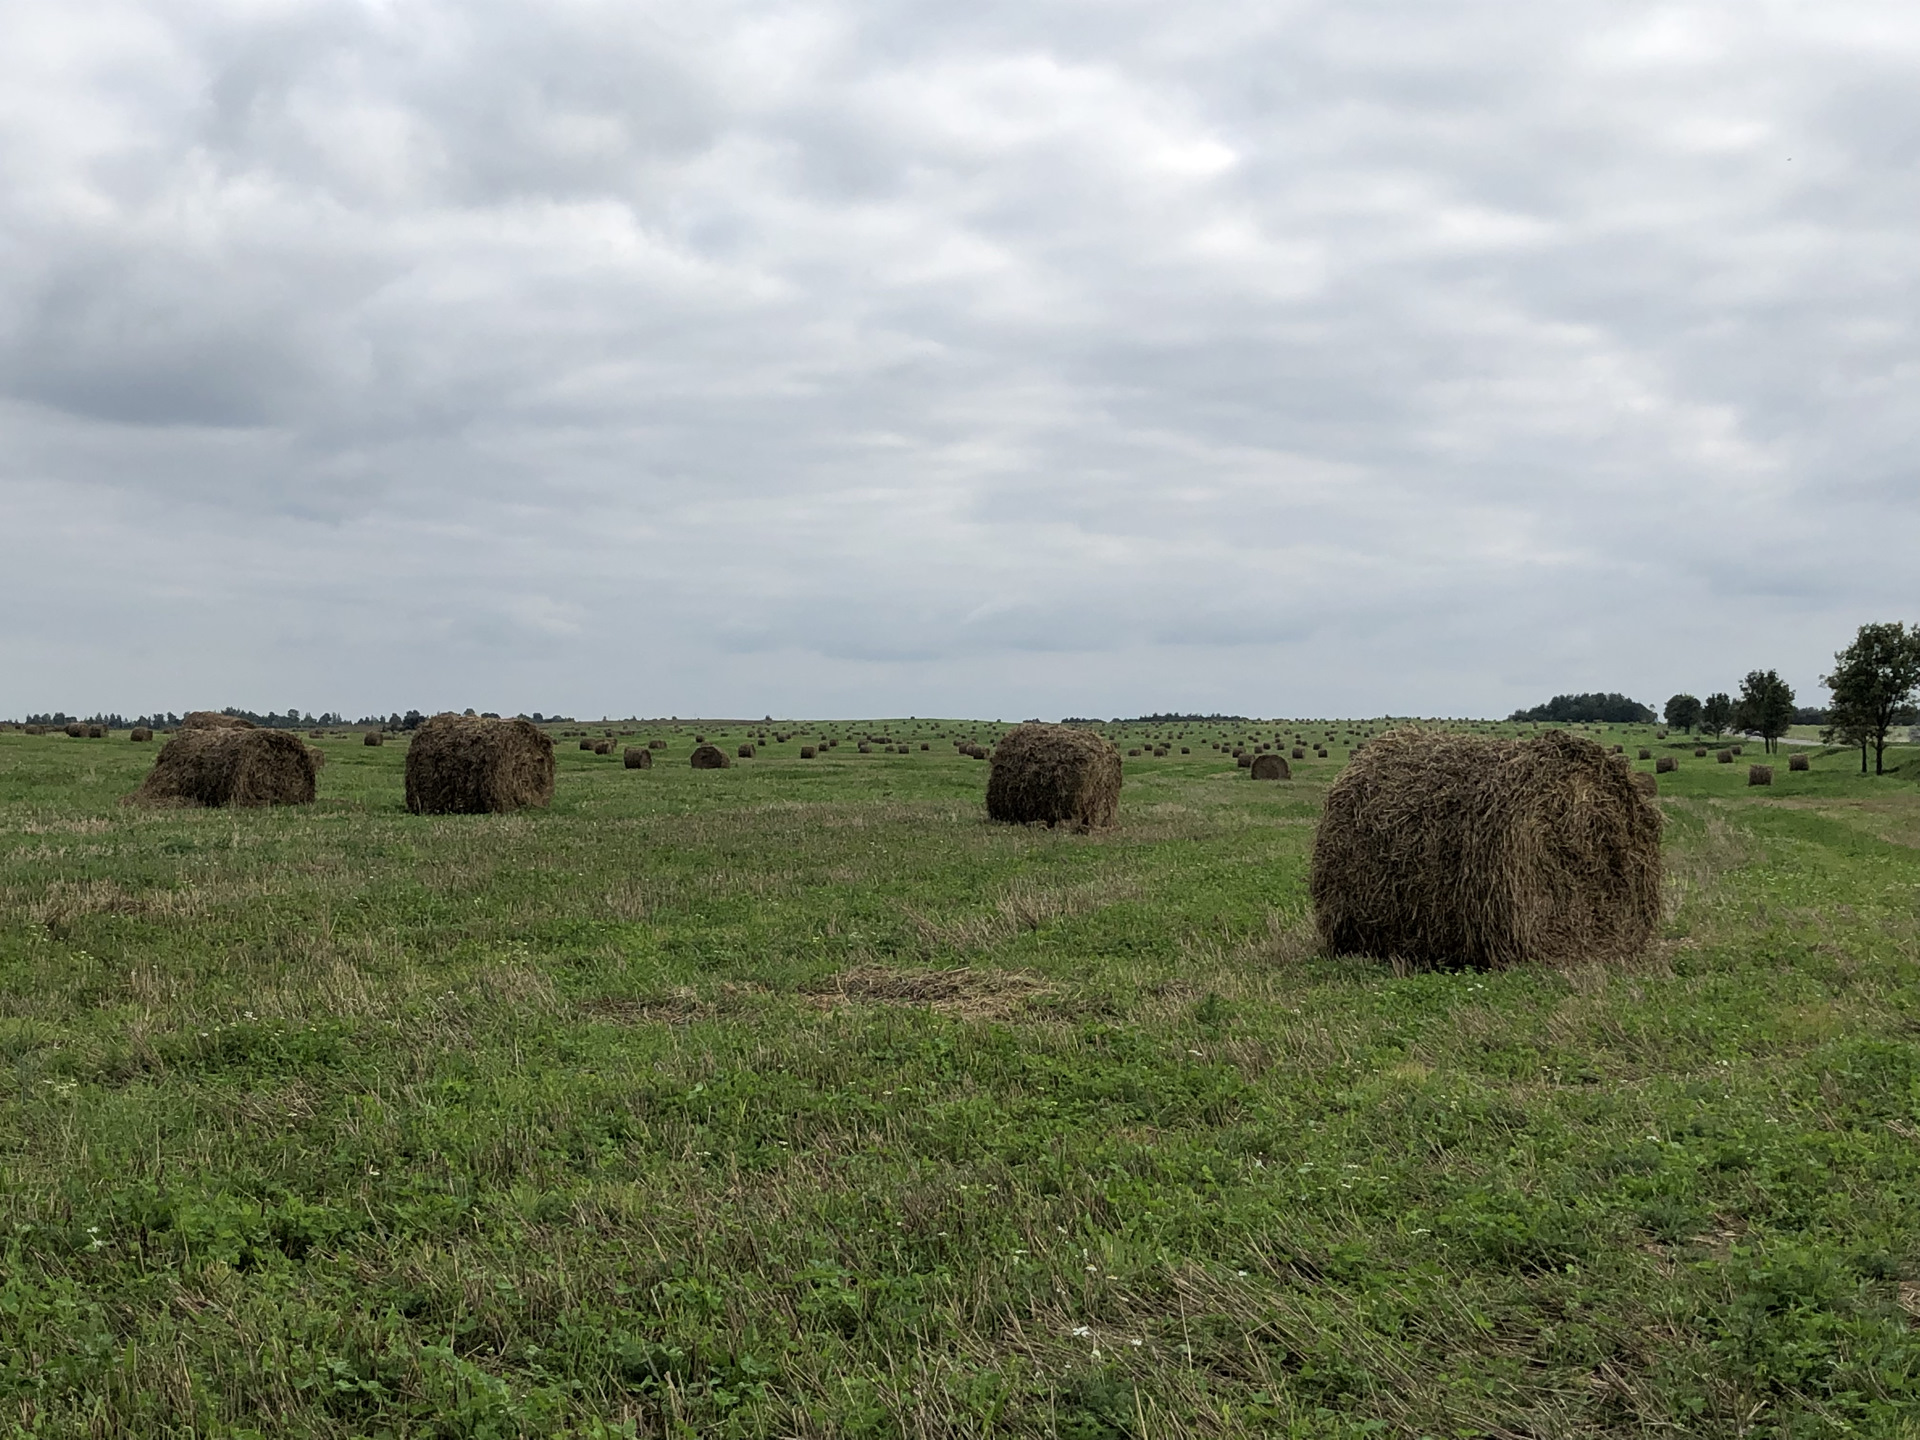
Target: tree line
[1871, 688]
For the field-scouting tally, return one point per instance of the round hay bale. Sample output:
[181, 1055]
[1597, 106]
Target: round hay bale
[1759, 774]
[77, 732]
[1299, 752]
[864, 748]
[1271, 767]
[1053, 774]
[638, 757]
[36, 729]
[1798, 762]
[1666, 765]
[1440, 850]
[1645, 784]
[979, 752]
[140, 734]
[699, 739]
[1725, 757]
[1735, 749]
[1133, 752]
[471, 765]
[603, 747]
[656, 744]
[229, 766]
[710, 757]
[925, 746]
[96, 732]
[1645, 754]
[314, 734]
[214, 720]
[586, 744]
[1186, 750]
[373, 737]
[1244, 760]
[1699, 752]
[319, 758]
[1621, 750]
[746, 752]
[806, 752]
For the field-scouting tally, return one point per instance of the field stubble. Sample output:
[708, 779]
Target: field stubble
[795, 1099]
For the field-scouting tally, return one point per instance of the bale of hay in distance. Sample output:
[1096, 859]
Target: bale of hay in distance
[1299, 752]
[1244, 760]
[319, 758]
[96, 732]
[473, 765]
[1759, 775]
[1645, 754]
[140, 734]
[638, 757]
[746, 752]
[1699, 752]
[1440, 850]
[1053, 774]
[1736, 749]
[1645, 784]
[806, 752]
[77, 731]
[1725, 757]
[224, 766]
[1666, 765]
[710, 757]
[373, 737]
[603, 747]
[214, 720]
[1271, 767]
[586, 744]
[656, 744]
[1797, 762]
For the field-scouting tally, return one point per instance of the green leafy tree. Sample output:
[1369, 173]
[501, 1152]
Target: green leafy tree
[1682, 713]
[1873, 684]
[1716, 715]
[1766, 706]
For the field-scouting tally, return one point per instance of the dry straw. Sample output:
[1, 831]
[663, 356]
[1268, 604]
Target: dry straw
[140, 734]
[710, 757]
[214, 720]
[373, 737]
[1271, 767]
[1666, 765]
[638, 757]
[471, 765]
[1759, 775]
[1797, 762]
[1725, 757]
[1438, 850]
[1053, 775]
[229, 766]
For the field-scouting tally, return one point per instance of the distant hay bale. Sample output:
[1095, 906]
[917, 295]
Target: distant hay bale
[925, 746]
[1053, 775]
[746, 752]
[1759, 775]
[1299, 752]
[806, 752]
[1186, 750]
[1244, 759]
[1271, 767]
[586, 744]
[603, 747]
[710, 757]
[1699, 752]
[96, 732]
[1798, 762]
[1439, 850]
[638, 757]
[36, 729]
[699, 739]
[1659, 734]
[472, 765]
[1621, 750]
[229, 766]
[864, 748]
[1725, 757]
[1666, 765]
[140, 734]
[1645, 754]
[656, 744]
[77, 731]
[1735, 749]
[314, 734]
[373, 737]
[319, 758]
[1133, 752]
[214, 720]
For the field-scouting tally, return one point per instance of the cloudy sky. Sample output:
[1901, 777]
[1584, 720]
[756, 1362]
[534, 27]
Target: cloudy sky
[954, 357]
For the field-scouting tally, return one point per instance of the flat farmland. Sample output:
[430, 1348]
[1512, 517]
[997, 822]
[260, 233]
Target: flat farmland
[796, 1099]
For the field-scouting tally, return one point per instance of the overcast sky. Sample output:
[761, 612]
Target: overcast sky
[835, 358]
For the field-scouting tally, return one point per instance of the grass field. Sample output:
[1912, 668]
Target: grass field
[795, 1099]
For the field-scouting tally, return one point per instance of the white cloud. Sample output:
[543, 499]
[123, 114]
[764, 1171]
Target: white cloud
[1022, 359]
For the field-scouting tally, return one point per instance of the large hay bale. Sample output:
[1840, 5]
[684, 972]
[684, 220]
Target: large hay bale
[710, 757]
[639, 757]
[1244, 760]
[1053, 774]
[1271, 767]
[745, 752]
[140, 734]
[1699, 752]
[1645, 753]
[472, 765]
[77, 731]
[1798, 762]
[603, 747]
[1440, 850]
[229, 766]
[373, 737]
[1759, 775]
[806, 752]
[214, 720]
[1725, 757]
[586, 745]
[1666, 765]
[96, 732]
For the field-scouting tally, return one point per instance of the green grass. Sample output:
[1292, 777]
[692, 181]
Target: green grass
[795, 1099]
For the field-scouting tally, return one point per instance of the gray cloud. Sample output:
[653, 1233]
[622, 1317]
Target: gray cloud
[977, 358]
